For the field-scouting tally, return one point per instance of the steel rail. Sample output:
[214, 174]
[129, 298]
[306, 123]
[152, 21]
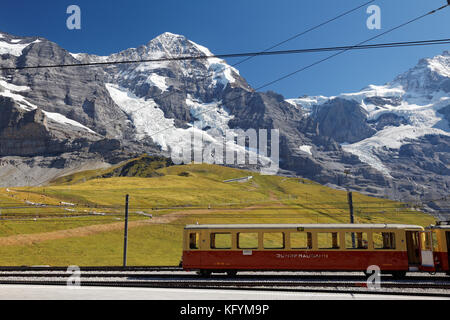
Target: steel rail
[417, 282]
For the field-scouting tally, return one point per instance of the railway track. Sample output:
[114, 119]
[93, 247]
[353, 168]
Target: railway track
[170, 277]
[167, 274]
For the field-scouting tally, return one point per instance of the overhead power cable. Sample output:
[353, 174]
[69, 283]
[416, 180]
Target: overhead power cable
[351, 48]
[246, 54]
[249, 55]
[305, 32]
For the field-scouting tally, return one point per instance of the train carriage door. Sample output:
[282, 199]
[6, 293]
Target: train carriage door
[413, 247]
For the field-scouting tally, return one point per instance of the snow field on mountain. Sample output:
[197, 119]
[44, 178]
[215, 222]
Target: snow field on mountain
[11, 91]
[157, 81]
[57, 117]
[306, 149]
[222, 72]
[148, 119]
[209, 115]
[150, 122]
[14, 49]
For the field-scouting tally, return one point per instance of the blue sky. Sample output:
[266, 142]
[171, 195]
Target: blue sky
[109, 26]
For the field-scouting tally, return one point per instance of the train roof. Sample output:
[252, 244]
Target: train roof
[439, 227]
[306, 226]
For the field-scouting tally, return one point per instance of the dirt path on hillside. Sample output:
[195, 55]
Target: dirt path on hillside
[29, 239]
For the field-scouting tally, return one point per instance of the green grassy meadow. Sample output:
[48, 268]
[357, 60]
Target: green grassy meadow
[90, 233]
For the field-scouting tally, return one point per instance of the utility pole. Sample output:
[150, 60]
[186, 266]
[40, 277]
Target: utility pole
[352, 220]
[125, 240]
[350, 206]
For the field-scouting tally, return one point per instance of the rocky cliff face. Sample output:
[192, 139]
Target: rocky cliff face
[445, 112]
[393, 138]
[343, 120]
[77, 93]
[24, 133]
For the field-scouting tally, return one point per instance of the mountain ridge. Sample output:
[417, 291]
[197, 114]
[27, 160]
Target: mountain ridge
[150, 107]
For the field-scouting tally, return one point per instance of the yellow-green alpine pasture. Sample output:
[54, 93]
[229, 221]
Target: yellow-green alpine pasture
[79, 219]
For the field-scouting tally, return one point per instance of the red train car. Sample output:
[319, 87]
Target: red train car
[394, 248]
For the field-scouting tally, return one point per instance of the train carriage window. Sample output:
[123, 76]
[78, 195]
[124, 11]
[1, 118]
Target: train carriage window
[328, 240]
[430, 242]
[301, 240]
[383, 240]
[273, 240]
[194, 240]
[220, 240]
[435, 241]
[247, 240]
[356, 240]
[427, 241]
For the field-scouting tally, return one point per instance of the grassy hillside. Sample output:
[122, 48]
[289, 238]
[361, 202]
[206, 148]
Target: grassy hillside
[40, 227]
[145, 166]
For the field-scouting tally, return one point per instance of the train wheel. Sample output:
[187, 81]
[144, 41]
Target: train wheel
[204, 273]
[398, 274]
[232, 273]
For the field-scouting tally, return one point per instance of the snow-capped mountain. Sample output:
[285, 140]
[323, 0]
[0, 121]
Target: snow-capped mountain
[171, 100]
[394, 138]
[408, 108]
[204, 76]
